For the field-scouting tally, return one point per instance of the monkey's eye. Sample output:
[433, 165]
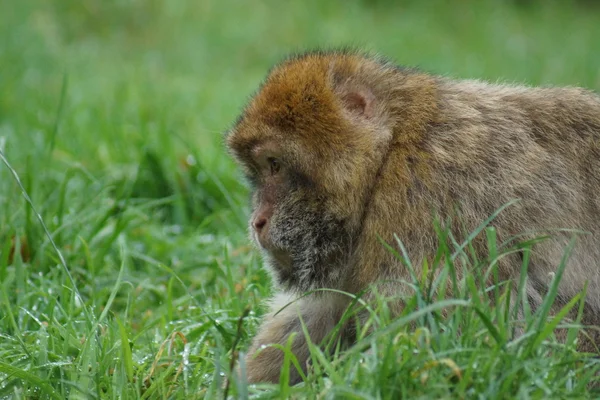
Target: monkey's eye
[274, 165]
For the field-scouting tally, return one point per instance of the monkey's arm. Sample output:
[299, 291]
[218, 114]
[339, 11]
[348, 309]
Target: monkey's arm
[319, 314]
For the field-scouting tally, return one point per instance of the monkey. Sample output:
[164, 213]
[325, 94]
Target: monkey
[344, 150]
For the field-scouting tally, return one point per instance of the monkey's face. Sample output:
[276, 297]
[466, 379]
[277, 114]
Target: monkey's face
[305, 243]
[311, 142]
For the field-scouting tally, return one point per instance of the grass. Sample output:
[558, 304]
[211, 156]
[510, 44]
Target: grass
[111, 114]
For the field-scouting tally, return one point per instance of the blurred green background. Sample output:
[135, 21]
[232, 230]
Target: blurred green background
[112, 113]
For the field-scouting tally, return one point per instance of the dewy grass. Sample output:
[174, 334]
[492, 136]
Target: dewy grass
[135, 285]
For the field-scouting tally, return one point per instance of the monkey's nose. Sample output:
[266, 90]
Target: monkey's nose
[259, 223]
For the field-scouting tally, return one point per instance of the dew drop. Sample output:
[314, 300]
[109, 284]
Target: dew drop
[190, 160]
[186, 354]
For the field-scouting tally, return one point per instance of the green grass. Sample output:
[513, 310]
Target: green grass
[112, 113]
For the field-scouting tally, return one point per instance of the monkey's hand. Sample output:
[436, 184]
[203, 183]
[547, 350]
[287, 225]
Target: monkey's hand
[319, 313]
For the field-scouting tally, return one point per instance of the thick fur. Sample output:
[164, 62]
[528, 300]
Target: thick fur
[378, 150]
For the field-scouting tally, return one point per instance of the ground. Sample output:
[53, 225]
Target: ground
[133, 280]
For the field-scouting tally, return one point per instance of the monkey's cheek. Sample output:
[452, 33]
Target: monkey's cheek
[280, 259]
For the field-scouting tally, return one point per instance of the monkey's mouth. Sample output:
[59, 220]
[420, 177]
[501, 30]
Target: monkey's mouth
[265, 243]
[281, 258]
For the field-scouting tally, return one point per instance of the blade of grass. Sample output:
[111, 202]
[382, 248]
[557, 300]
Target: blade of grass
[31, 378]
[549, 328]
[490, 327]
[125, 350]
[553, 290]
[521, 296]
[572, 335]
[481, 227]
[63, 262]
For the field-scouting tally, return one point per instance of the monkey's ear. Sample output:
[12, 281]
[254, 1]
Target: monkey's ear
[360, 101]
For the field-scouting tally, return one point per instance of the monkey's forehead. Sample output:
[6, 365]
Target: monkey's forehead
[297, 99]
[294, 94]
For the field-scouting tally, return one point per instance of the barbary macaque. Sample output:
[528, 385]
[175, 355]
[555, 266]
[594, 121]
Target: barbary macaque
[344, 151]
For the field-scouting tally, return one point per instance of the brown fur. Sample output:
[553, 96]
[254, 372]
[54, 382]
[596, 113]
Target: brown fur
[371, 150]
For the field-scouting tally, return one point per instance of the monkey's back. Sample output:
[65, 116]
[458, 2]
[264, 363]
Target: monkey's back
[495, 143]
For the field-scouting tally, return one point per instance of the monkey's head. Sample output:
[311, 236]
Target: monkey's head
[311, 142]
